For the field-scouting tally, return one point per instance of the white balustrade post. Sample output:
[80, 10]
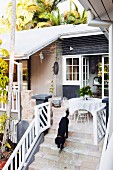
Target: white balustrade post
[95, 132]
[37, 121]
[49, 115]
[19, 66]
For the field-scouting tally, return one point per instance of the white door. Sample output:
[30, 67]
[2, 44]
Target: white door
[85, 71]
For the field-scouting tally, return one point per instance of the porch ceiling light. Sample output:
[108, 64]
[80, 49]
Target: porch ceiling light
[41, 56]
[71, 48]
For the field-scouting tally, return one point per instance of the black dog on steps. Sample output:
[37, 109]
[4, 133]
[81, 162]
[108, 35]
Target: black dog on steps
[62, 131]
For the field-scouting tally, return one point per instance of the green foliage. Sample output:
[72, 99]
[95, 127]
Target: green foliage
[51, 89]
[40, 13]
[3, 119]
[86, 91]
[3, 80]
[74, 17]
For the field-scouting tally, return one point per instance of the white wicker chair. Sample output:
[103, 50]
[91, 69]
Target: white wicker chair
[82, 116]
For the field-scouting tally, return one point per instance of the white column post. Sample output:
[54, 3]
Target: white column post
[37, 121]
[110, 79]
[19, 79]
[49, 115]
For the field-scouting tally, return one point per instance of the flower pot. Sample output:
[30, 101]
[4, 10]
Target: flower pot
[2, 163]
[86, 97]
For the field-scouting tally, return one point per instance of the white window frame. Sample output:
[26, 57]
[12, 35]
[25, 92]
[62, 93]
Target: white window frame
[86, 67]
[70, 82]
[103, 58]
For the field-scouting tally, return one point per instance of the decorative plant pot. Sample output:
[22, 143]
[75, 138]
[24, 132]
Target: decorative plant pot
[85, 97]
[2, 163]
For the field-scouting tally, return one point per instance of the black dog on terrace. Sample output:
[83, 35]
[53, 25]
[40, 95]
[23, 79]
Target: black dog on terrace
[62, 131]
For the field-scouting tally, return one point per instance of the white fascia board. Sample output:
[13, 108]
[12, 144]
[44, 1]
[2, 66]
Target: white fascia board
[82, 34]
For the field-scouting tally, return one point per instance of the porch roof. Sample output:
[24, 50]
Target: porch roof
[102, 10]
[30, 41]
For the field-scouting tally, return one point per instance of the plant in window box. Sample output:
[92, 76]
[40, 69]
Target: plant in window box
[85, 92]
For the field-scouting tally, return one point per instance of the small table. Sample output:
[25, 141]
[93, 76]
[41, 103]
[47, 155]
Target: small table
[90, 105]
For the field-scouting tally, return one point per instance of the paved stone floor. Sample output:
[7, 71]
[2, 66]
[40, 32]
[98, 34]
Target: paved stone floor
[85, 127]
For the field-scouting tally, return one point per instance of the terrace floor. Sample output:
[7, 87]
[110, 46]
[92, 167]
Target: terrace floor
[85, 127]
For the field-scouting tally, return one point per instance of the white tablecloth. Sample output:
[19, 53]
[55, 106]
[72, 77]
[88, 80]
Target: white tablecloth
[90, 105]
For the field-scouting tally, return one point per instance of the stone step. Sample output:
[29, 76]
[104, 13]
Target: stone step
[41, 166]
[72, 152]
[57, 161]
[76, 142]
[71, 133]
[89, 165]
[46, 161]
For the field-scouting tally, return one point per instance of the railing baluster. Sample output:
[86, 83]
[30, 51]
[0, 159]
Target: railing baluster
[37, 121]
[11, 166]
[23, 151]
[15, 98]
[15, 161]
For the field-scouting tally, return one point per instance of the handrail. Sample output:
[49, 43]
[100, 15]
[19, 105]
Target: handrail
[40, 123]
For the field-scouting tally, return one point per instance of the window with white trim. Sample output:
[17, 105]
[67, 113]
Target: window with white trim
[71, 71]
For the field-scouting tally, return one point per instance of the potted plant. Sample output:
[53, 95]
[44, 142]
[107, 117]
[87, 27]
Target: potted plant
[85, 92]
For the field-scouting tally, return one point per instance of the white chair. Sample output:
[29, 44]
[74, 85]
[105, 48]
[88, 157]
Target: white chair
[82, 116]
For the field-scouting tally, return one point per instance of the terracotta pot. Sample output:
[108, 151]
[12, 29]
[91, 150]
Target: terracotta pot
[2, 163]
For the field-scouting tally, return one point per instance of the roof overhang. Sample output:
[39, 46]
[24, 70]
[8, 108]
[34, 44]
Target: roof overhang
[29, 42]
[102, 12]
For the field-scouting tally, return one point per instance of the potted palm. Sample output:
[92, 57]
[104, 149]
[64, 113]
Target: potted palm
[85, 92]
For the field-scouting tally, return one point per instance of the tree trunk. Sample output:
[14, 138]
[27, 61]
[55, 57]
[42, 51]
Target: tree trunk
[71, 1]
[11, 71]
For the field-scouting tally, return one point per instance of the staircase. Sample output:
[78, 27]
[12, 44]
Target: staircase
[79, 152]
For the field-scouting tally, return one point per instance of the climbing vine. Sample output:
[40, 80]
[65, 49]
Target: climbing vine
[3, 80]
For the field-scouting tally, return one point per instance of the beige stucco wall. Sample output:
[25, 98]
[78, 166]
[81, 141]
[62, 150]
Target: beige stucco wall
[41, 72]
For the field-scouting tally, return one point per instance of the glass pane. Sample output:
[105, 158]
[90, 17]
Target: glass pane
[68, 76]
[83, 76]
[69, 69]
[69, 61]
[106, 91]
[86, 69]
[83, 83]
[75, 69]
[86, 77]
[83, 69]
[76, 76]
[106, 76]
[106, 60]
[75, 61]
[83, 61]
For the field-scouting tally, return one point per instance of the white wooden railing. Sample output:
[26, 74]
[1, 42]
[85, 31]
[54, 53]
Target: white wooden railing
[40, 123]
[99, 122]
[106, 162]
[13, 131]
[15, 96]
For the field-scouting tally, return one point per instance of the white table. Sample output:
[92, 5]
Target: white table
[90, 105]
